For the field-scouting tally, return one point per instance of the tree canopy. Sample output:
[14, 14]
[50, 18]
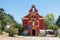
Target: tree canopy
[49, 19]
[58, 21]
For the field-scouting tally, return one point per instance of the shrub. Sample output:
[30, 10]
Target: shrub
[12, 31]
[0, 31]
[53, 27]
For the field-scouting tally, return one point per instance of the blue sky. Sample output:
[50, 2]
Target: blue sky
[20, 8]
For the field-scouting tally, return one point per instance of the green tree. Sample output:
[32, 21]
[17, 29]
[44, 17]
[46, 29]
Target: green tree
[58, 21]
[1, 17]
[49, 19]
[6, 19]
[21, 29]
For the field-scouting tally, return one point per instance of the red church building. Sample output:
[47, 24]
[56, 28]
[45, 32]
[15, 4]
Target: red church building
[33, 22]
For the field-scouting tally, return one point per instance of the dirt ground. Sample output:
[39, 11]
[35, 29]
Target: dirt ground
[5, 36]
[2, 37]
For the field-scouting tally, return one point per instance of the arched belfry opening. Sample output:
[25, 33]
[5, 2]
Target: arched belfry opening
[33, 9]
[33, 32]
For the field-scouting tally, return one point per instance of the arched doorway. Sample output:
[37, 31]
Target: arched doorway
[33, 32]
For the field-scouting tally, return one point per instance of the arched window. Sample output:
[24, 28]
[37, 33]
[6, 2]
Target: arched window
[33, 23]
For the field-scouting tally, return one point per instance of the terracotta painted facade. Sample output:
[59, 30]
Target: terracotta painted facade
[33, 22]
